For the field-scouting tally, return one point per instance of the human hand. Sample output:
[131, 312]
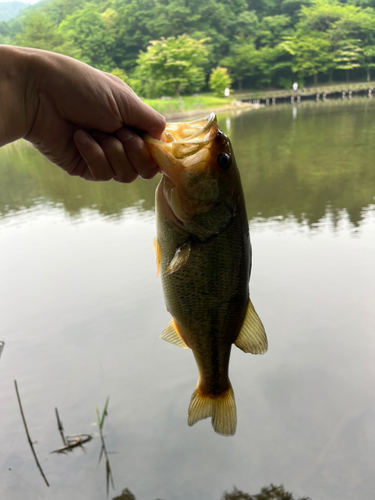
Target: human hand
[84, 120]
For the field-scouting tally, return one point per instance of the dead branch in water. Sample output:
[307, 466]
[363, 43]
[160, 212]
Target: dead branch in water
[28, 435]
[60, 426]
[74, 442]
[109, 476]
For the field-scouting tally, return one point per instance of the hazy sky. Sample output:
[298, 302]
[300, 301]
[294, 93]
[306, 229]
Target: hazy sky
[23, 1]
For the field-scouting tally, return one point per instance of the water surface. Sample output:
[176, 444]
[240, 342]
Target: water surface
[82, 310]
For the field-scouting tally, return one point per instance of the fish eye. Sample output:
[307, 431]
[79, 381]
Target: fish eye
[224, 161]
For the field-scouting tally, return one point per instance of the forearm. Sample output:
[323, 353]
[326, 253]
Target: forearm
[18, 102]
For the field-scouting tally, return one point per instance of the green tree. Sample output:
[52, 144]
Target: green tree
[367, 60]
[173, 65]
[347, 56]
[58, 10]
[39, 32]
[140, 21]
[219, 81]
[260, 41]
[265, 7]
[273, 63]
[310, 53]
[340, 23]
[243, 60]
[292, 8]
[109, 17]
[5, 32]
[86, 30]
[323, 15]
[366, 32]
[273, 29]
[120, 73]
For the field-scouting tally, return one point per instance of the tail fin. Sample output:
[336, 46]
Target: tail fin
[221, 408]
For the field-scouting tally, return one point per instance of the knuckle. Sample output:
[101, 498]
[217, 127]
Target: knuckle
[103, 176]
[126, 176]
[149, 173]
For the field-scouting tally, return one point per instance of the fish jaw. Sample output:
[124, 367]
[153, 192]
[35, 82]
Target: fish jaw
[200, 194]
[181, 141]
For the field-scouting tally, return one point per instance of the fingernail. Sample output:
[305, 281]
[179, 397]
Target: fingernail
[82, 138]
[124, 134]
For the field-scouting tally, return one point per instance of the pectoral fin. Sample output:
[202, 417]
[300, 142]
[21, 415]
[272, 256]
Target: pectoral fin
[252, 337]
[180, 257]
[156, 247]
[172, 335]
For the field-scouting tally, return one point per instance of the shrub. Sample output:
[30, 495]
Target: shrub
[219, 81]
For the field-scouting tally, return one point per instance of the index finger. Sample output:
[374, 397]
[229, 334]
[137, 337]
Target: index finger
[136, 114]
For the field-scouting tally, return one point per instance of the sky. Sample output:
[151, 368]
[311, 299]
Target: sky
[23, 1]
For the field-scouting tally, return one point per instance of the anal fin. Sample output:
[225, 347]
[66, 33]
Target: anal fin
[252, 337]
[172, 335]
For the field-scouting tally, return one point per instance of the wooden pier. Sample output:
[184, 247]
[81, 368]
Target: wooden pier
[344, 90]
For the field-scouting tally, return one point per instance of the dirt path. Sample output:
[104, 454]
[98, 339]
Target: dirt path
[204, 112]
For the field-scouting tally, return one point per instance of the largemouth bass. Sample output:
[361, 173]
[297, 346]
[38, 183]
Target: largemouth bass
[203, 254]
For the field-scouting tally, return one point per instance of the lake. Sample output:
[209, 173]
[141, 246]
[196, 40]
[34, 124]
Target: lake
[82, 311]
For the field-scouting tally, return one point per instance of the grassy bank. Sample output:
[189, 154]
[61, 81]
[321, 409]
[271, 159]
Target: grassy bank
[187, 104]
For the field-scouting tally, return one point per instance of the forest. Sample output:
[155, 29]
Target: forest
[167, 47]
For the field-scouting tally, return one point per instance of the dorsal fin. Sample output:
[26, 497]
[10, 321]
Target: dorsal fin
[252, 337]
[180, 257]
[171, 334]
[157, 250]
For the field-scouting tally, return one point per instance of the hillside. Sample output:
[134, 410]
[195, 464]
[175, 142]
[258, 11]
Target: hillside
[9, 10]
[261, 43]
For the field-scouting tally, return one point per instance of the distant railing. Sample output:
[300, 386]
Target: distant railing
[271, 96]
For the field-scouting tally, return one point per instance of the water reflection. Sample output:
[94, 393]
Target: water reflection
[306, 169]
[83, 310]
[227, 124]
[271, 492]
[125, 495]
[30, 182]
[321, 166]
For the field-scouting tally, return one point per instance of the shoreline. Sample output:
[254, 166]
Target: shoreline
[236, 105]
[245, 106]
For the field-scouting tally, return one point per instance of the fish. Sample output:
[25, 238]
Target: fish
[203, 255]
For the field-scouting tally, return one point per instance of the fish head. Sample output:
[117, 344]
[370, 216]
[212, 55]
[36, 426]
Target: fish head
[200, 178]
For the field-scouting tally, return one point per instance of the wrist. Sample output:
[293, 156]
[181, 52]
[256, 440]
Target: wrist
[18, 99]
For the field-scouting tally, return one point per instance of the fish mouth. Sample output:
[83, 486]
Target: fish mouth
[188, 138]
[184, 147]
[184, 155]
